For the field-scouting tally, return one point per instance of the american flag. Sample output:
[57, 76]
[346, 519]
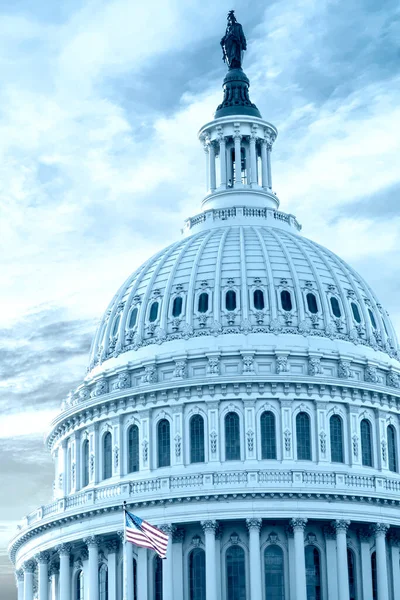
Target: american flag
[143, 534]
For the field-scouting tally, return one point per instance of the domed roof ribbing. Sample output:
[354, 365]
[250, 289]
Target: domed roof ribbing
[237, 278]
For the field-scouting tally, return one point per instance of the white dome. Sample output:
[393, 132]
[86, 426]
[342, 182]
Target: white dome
[328, 298]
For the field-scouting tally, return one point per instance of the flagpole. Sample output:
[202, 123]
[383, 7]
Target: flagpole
[125, 559]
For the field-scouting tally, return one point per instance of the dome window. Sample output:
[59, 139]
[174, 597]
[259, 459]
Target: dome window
[312, 303]
[286, 300]
[258, 298]
[372, 318]
[356, 312]
[133, 318]
[177, 306]
[153, 312]
[203, 303]
[230, 300]
[335, 307]
[116, 325]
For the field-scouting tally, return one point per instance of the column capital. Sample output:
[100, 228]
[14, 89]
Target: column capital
[42, 557]
[340, 526]
[29, 566]
[91, 541]
[178, 535]
[211, 526]
[168, 528]
[112, 546]
[380, 529]
[121, 536]
[254, 523]
[329, 532]
[298, 524]
[19, 575]
[364, 534]
[63, 549]
[54, 569]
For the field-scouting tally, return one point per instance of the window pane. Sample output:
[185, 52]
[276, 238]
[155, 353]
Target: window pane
[153, 312]
[103, 583]
[177, 306]
[268, 435]
[133, 449]
[259, 303]
[303, 435]
[158, 569]
[366, 443]
[164, 446]
[132, 318]
[235, 573]
[85, 460]
[203, 303]
[274, 576]
[107, 456]
[196, 439]
[372, 318]
[356, 312]
[286, 300]
[336, 439]
[392, 455]
[335, 307]
[351, 565]
[230, 300]
[232, 436]
[313, 573]
[197, 575]
[312, 303]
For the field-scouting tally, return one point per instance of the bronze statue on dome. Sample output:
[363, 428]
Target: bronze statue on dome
[233, 43]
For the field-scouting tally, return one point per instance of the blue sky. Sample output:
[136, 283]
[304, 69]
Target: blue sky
[100, 103]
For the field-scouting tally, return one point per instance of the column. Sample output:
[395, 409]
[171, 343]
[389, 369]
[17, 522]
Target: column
[238, 159]
[209, 528]
[142, 569]
[395, 563]
[331, 562]
[85, 563]
[300, 562]
[112, 549]
[43, 575]
[254, 527]
[177, 557]
[65, 571]
[341, 558]
[222, 160]
[380, 530]
[19, 577]
[28, 568]
[93, 561]
[264, 166]
[206, 151]
[54, 581]
[253, 160]
[65, 474]
[269, 148]
[168, 564]
[211, 154]
[366, 572]
[128, 571]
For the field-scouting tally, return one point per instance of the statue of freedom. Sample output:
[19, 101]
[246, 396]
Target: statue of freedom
[233, 43]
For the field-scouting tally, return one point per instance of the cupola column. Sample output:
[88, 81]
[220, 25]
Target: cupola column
[210, 528]
[112, 549]
[341, 554]
[395, 560]
[238, 158]
[143, 578]
[19, 575]
[366, 571]
[269, 148]
[254, 527]
[253, 159]
[43, 576]
[264, 166]
[222, 159]
[65, 571]
[168, 565]
[28, 568]
[213, 180]
[299, 526]
[93, 549]
[380, 531]
[54, 590]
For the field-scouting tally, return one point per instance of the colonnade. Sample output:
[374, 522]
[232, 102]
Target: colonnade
[51, 575]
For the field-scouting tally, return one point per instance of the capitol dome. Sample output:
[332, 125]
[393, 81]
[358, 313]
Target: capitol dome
[243, 395]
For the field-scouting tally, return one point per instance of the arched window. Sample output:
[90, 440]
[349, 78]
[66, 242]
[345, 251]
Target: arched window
[335, 307]
[235, 573]
[351, 566]
[116, 325]
[163, 443]
[203, 303]
[258, 298]
[303, 436]
[312, 303]
[177, 306]
[372, 318]
[85, 463]
[286, 300]
[197, 439]
[392, 450]
[366, 443]
[134, 579]
[158, 572]
[133, 318]
[232, 436]
[133, 449]
[153, 312]
[374, 577]
[268, 435]
[336, 434]
[103, 582]
[107, 456]
[197, 574]
[230, 300]
[356, 312]
[313, 573]
[80, 589]
[274, 575]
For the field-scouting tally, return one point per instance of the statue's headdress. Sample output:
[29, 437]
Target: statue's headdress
[231, 16]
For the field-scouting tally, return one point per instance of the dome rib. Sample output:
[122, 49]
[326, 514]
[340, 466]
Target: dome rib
[217, 283]
[245, 284]
[271, 288]
[193, 277]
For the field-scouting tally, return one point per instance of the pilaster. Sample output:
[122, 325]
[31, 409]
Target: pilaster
[286, 429]
[214, 433]
[250, 432]
[144, 441]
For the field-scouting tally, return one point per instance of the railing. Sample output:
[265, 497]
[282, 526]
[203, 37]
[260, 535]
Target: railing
[223, 214]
